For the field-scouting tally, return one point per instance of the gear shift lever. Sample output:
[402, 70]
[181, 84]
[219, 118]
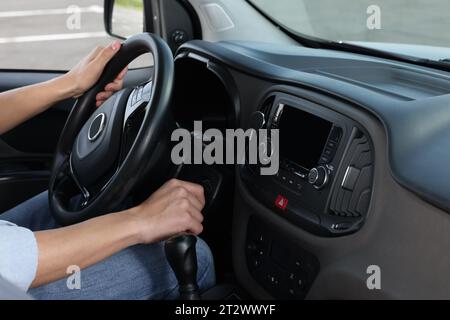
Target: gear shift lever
[182, 257]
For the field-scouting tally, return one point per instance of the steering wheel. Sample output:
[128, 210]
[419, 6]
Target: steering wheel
[103, 152]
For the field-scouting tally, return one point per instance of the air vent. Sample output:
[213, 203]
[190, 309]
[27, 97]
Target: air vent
[351, 197]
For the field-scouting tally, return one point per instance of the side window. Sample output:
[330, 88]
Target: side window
[53, 34]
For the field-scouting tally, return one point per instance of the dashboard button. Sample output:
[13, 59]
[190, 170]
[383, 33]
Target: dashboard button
[324, 160]
[274, 280]
[350, 178]
[331, 144]
[328, 152]
[300, 174]
[179, 37]
[281, 202]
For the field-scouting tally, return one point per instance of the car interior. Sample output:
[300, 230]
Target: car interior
[364, 133]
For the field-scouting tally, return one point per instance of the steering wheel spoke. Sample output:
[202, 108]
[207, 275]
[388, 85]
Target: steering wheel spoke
[137, 106]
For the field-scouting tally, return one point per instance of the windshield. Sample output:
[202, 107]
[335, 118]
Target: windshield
[374, 23]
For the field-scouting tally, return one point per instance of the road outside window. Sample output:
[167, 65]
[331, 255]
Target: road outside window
[414, 22]
[56, 34]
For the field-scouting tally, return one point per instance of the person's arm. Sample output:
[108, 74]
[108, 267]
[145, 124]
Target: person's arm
[173, 209]
[19, 105]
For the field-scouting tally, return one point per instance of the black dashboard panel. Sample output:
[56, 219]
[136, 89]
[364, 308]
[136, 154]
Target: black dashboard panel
[324, 183]
[278, 263]
[411, 101]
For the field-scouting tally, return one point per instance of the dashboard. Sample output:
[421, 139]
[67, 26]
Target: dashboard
[360, 140]
[326, 164]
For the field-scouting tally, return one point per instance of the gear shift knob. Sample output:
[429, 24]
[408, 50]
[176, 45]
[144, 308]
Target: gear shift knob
[182, 257]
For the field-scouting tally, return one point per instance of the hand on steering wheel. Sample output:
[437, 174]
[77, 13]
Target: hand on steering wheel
[103, 152]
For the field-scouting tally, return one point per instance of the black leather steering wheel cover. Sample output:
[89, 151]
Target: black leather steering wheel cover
[154, 122]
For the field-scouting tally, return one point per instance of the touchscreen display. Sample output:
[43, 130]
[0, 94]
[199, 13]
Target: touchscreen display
[302, 136]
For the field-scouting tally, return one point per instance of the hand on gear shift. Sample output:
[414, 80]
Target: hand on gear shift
[182, 256]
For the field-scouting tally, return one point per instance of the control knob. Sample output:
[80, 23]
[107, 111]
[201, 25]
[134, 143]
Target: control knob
[318, 177]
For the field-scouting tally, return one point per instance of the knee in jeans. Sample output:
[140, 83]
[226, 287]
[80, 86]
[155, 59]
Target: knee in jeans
[206, 273]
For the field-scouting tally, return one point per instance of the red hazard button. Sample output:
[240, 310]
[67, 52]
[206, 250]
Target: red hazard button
[281, 202]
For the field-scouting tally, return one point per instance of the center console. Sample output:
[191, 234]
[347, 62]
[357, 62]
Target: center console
[324, 183]
[323, 186]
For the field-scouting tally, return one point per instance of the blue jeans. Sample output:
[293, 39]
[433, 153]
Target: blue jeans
[138, 272]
